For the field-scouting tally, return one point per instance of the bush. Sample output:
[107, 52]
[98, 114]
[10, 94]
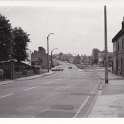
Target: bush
[36, 70]
[24, 72]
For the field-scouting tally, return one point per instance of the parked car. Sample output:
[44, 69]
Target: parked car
[57, 69]
[70, 67]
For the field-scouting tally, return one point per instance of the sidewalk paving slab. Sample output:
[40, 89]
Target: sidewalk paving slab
[110, 102]
[109, 106]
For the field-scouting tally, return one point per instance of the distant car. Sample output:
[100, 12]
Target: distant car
[57, 69]
[70, 67]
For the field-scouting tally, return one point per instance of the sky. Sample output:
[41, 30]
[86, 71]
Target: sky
[78, 25]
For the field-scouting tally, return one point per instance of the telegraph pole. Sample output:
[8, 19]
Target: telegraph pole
[106, 49]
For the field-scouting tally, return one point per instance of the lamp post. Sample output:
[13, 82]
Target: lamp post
[48, 50]
[52, 56]
[106, 49]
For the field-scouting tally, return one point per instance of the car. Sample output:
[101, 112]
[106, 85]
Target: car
[70, 67]
[57, 69]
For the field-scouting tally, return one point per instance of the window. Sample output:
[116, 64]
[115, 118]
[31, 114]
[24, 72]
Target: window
[121, 65]
[122, 43]
[118, 46]
[114, 46]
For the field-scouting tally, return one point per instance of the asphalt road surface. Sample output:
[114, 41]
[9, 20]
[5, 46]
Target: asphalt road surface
[66, 94]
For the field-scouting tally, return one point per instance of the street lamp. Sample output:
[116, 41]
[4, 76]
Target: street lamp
[52, 56]
[48, 50]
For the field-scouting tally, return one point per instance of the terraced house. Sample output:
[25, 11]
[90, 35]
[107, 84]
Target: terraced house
[118, 52]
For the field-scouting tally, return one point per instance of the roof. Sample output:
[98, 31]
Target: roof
[120, 33]
[26, 62]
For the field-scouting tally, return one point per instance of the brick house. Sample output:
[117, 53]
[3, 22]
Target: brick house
[39, 58]
[118, 52]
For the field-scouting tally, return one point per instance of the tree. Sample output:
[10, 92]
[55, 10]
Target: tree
[95, 56]
[85, 59]
[60, 56]
[77, 60]
[5, 38]
[20, 40]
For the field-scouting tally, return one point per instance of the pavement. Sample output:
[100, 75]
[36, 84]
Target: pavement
[26, 78]
[110, 100]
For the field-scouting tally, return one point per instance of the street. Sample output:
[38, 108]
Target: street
[63, 94]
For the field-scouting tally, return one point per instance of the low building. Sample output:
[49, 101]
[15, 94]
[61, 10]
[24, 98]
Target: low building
[118, 52]
[18, 68]
[64, 57]
[39, 58]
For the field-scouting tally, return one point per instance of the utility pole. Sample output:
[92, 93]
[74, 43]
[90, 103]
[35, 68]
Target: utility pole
[106, 49]
[48, 67]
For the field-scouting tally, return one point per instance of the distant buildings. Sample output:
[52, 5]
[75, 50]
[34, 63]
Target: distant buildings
[95, 58]
[85, 59]
[98, 57]
[118, 52]
[65, 57]
[101, 58]
[39, 58]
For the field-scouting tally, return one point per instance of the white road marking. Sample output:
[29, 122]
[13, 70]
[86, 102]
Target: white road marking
[83, 104]
[4, 96]
[30, 88]
[81, 107]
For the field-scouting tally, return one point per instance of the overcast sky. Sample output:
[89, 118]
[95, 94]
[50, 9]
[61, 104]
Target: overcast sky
[77, 24]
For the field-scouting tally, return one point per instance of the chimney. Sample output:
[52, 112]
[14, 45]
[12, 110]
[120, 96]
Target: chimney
[123, 23]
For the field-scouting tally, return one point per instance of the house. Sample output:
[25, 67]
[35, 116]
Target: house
[118, 52]
[39, 58]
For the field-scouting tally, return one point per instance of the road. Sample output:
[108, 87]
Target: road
[67, 94]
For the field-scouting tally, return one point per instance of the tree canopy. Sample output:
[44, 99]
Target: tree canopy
[77, 60]
[95, 55]
[20, 44]
[5, 38]
[13, 41]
